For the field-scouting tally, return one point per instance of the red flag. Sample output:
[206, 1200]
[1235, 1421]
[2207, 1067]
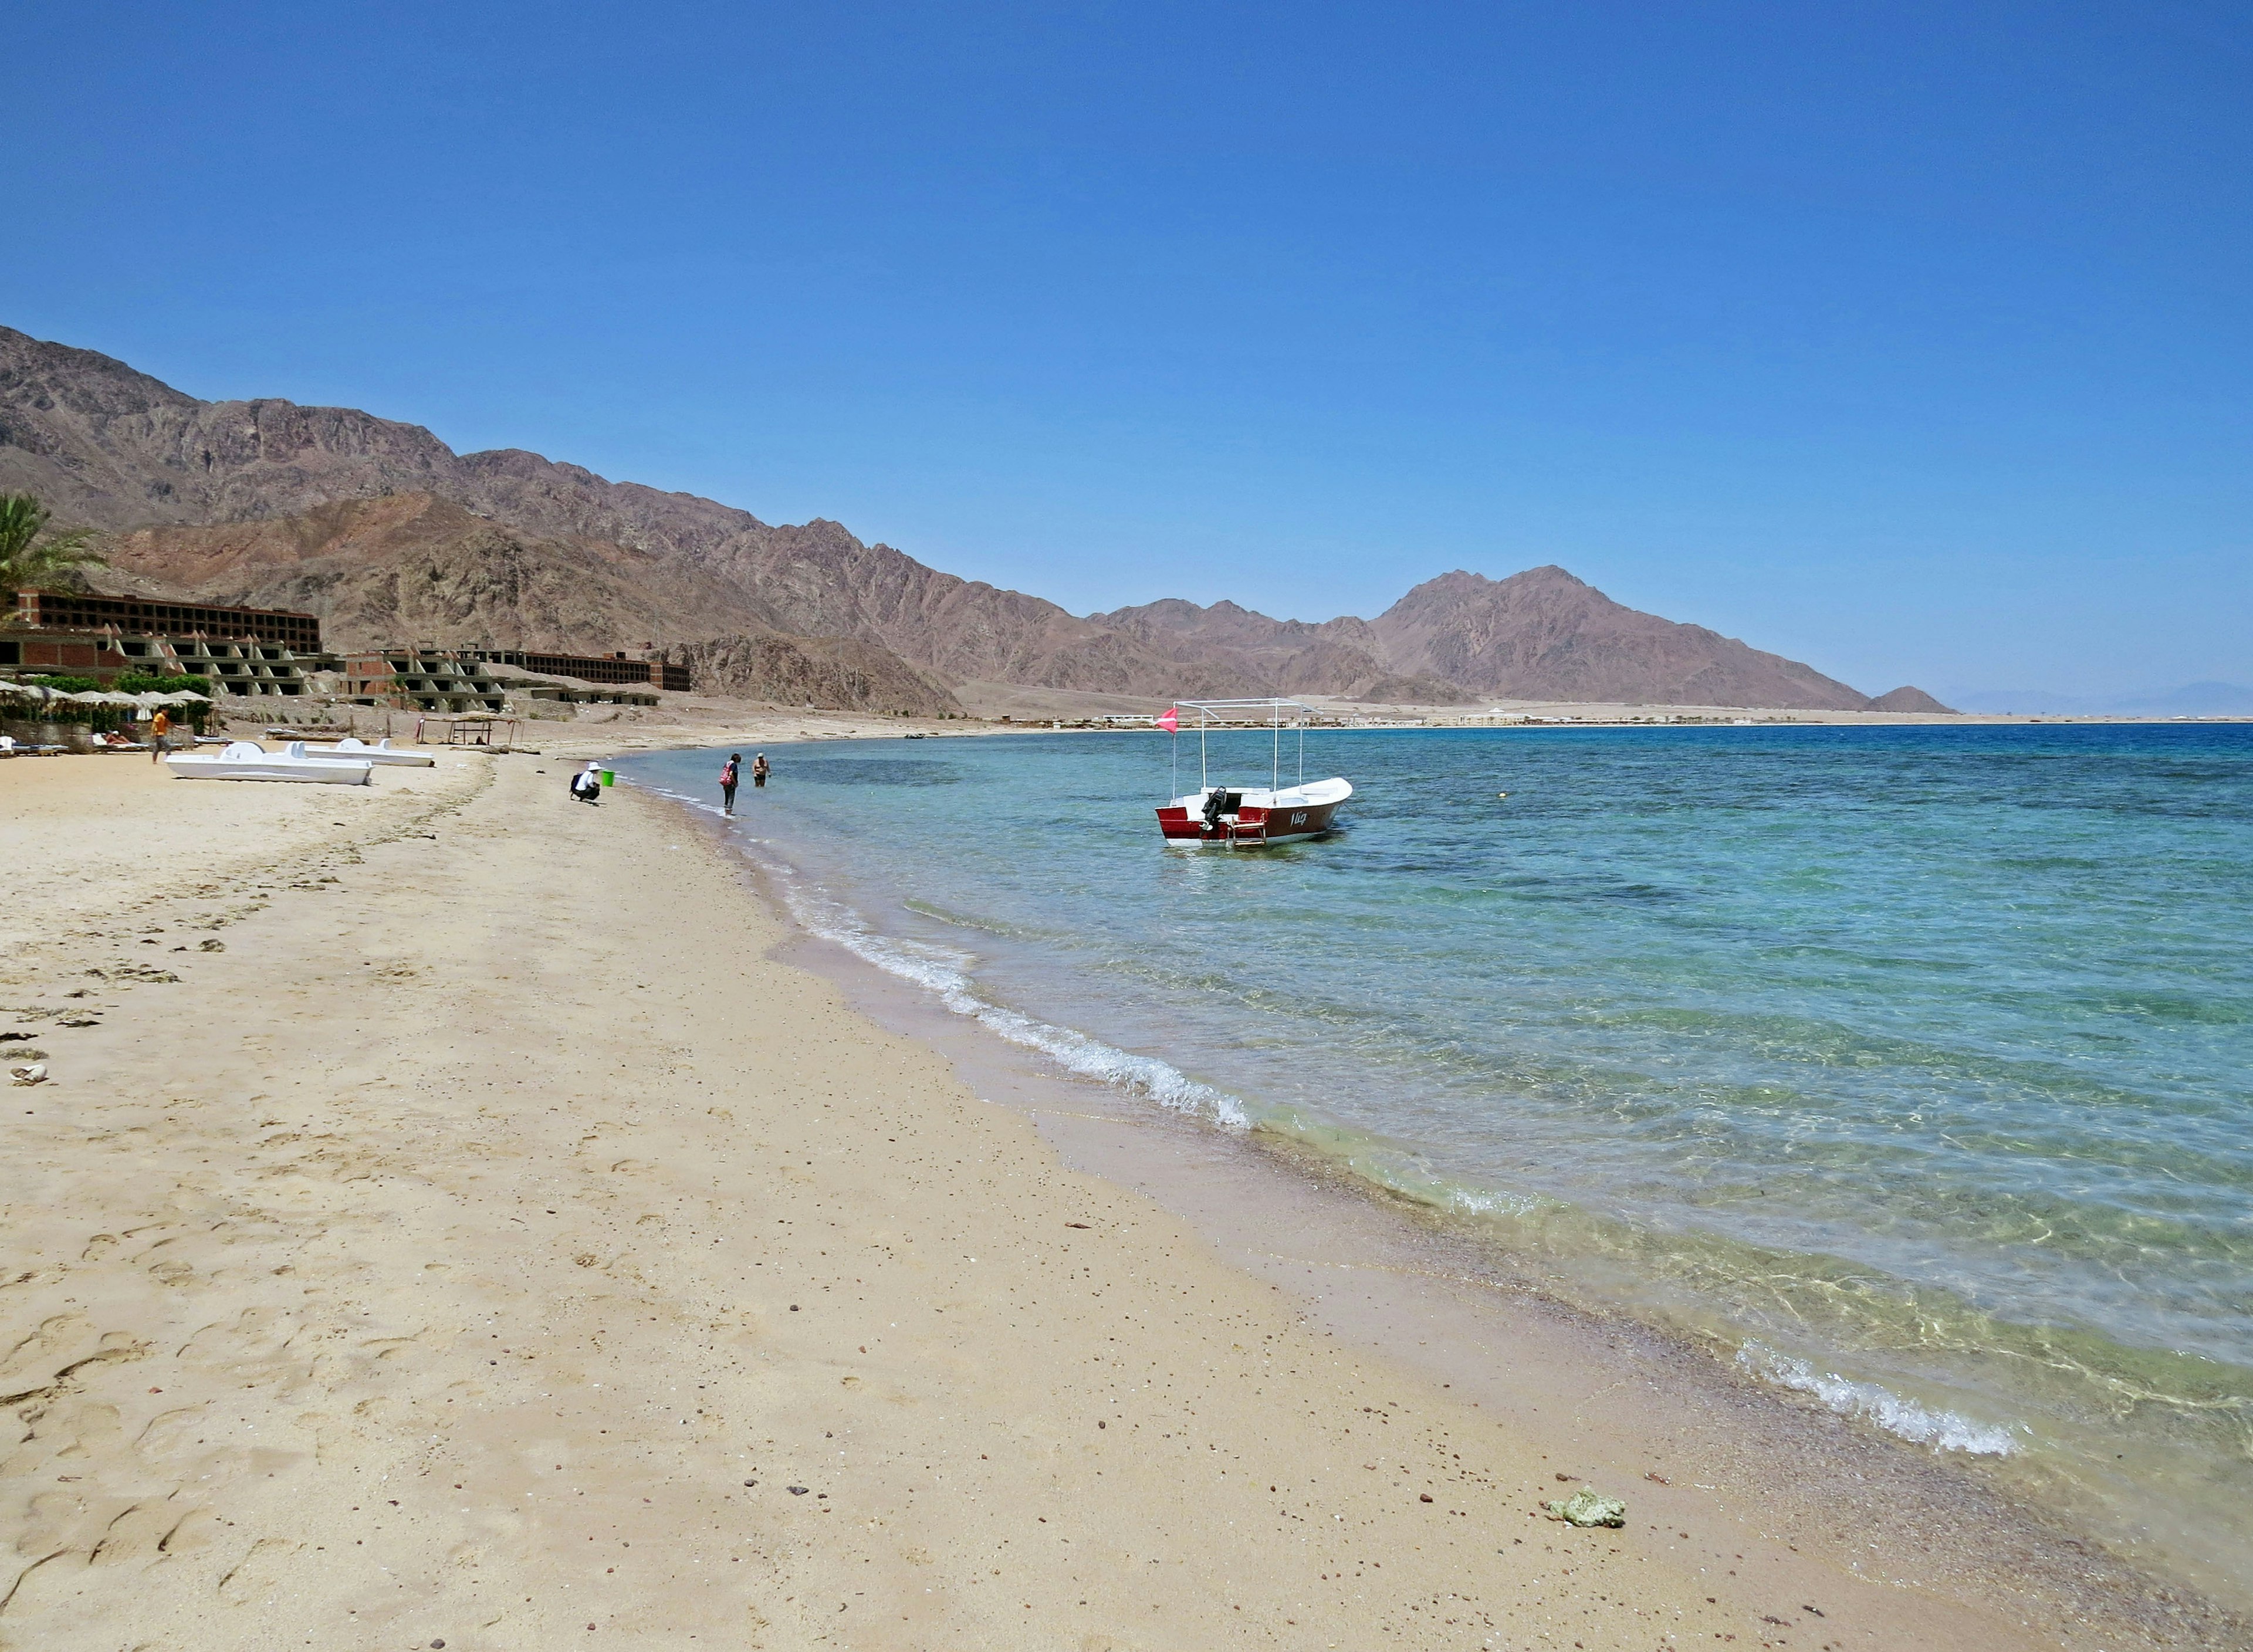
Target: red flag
[1167, 722]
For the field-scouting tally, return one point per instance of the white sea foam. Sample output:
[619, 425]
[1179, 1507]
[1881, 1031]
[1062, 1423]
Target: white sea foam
[684, 798]
[1486, 1202]
[945, 974]
[1943, 1430]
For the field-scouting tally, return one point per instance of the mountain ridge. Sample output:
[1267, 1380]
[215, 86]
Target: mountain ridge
[177, 479]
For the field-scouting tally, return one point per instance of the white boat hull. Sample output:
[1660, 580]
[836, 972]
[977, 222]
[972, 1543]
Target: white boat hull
[306, 770]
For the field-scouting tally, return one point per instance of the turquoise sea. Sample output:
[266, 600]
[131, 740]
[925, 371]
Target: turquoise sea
[1910, 1068]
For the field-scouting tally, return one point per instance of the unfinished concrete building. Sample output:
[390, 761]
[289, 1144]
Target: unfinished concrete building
[238, 650]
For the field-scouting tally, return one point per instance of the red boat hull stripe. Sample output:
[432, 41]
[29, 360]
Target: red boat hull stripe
[1253, 826]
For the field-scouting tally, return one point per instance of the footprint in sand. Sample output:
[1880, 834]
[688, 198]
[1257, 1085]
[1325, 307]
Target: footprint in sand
[259, 1572]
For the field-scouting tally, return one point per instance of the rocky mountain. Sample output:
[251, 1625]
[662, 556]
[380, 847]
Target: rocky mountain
[1539, 635]
[1337, 657]
[814, 671]
[1907, 699]
[112, 448]
[416, 567]
[387, 533]
[1544, 635]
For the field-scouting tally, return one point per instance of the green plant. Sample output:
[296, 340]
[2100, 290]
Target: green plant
[135, 682]
[65, 685]
[30, 556]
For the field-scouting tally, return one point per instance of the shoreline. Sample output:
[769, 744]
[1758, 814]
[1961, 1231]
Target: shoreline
[1905, 1501]
[488, 1238]
[694, 722]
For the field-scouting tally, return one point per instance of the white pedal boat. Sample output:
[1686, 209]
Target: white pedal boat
[248, 760]
[381, 752]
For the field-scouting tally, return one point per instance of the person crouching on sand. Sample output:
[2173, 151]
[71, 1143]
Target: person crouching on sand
[587, 785]
[728, 783]
[759, 770]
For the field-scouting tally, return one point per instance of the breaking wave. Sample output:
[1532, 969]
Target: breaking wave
[1943, 1430]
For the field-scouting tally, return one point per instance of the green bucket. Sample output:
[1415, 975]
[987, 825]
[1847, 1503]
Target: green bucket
[609, 778]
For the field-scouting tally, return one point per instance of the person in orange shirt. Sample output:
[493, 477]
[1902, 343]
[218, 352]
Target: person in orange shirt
[160, 734]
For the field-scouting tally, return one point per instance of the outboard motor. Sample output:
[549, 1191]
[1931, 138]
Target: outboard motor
[1215, 804]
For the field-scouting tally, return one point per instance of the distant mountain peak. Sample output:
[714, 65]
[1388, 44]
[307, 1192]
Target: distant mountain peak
[1464, 579]
[1908, 699]
[1546, 634]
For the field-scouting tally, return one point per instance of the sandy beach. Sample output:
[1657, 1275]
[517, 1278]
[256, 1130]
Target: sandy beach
[454, 1218]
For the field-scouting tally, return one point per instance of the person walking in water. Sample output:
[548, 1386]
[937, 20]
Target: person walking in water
[760, 769]
[728, 783]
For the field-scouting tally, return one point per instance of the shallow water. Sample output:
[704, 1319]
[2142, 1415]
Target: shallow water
[1908, 1067]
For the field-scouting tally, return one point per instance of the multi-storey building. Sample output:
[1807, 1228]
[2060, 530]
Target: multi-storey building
[428, 678]
[240, 650]
[262, 651]
[422, 678]
[589, 668]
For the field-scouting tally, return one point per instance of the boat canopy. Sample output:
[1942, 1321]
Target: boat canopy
[1214, 715]
[1248, 714]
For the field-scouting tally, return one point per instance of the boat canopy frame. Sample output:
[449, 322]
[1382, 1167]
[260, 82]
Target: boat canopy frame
[1268, 714]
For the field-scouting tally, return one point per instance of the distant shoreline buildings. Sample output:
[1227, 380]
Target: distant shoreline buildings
[255, 652]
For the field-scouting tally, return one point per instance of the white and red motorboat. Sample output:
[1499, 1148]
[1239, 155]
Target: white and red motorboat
[1248, 817]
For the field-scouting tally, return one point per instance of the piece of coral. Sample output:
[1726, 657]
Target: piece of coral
[1584, 1507]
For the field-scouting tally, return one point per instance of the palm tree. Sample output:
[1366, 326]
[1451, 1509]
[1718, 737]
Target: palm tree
[27, 560]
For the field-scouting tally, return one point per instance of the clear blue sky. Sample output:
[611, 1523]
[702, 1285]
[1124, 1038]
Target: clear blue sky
[1912, 340]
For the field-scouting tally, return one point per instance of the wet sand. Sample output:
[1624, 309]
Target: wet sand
[498, 1242]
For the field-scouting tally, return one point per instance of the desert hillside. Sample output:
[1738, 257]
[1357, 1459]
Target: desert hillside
[390, 536]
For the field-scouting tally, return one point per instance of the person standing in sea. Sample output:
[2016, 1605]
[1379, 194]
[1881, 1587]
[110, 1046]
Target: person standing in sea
[728, 783]
[760, 769]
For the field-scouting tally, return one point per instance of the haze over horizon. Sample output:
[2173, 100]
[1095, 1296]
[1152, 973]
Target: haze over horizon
[1910, 344]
